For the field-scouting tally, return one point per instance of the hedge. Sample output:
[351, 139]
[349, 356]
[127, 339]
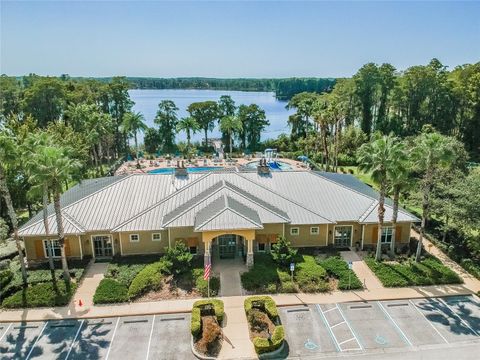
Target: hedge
[310, 276]
[40, 295]
[5, 277]
[337, 267]
[149, 278]
[110, 291]
[263, 345]
[202, 285]
[196, 323]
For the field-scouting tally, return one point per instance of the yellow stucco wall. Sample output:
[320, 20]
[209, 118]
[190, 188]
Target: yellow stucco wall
[371, 233]
[145, 245]
[32, 246]
[304, 238]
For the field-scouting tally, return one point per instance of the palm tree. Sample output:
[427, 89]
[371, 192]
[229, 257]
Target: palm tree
[230, 125]
[132, 124]
[431, 151]
[189, 125]
[8, 152]
[58, 167]
[323, 119]
[398, 179]
[375, 157]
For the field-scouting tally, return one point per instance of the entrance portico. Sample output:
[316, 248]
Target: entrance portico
[209, 236]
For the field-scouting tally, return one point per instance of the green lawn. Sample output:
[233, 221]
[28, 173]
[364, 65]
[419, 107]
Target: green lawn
[429, 271]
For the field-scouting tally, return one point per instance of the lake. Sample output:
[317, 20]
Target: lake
[146, 102]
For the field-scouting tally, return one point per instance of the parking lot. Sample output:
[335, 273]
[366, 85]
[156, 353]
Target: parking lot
[363, 327]
[139, 337]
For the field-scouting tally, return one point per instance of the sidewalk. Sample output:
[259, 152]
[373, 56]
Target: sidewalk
[366, 276]
[91, 279]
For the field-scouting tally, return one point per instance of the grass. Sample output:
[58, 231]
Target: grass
[429, 271]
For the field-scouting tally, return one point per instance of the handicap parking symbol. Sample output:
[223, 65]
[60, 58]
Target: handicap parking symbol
[381, 340]
[310, 345]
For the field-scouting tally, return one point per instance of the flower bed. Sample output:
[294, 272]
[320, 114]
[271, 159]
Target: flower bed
[266, 332]
[429, 271]
[205, 326]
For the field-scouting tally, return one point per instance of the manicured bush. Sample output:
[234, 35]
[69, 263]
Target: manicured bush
[310, 276]
[338, 268]
[40, 295]
[149, 278]
[265, 302]
[110, 291]
[180, 257]
[202, 285]
[282, 252]
[288, 287]
[124, 270]
[263, 345]
[195, 324]
[429, 271]
[5, 277]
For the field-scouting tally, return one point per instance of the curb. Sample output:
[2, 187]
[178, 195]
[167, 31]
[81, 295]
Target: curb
[273, 354]
[197, 354]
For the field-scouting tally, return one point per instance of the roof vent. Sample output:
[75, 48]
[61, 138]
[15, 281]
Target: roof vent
[262, 167]
[180, 169]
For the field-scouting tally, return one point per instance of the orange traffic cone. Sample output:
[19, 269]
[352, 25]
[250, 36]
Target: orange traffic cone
[80, 302]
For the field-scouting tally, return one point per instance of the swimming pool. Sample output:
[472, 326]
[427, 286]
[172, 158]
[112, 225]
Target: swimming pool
[189, 169]
[275, 166]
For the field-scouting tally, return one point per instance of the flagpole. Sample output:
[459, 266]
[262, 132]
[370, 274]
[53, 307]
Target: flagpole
[208, 291]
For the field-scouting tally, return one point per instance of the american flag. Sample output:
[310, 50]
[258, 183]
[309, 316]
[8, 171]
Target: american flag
[208, 268]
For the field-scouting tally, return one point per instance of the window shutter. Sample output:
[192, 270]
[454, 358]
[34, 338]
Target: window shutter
[39, 249]
[67, 248]
[375, 234]
[398, 233]
[192, 241]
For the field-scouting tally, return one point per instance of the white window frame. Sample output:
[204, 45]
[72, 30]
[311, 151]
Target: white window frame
[351, 232]
[317, 230]
[292, 231]
[44, 242]
[134, 241]
[159, 236]
[265, 247]
[385, 229]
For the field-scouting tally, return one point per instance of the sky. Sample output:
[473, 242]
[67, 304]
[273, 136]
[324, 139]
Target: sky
[232, 38]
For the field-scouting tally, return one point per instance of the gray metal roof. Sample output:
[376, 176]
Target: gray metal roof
[155, 201]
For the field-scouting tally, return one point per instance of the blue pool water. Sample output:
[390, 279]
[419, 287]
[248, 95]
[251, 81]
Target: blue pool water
[190, 169]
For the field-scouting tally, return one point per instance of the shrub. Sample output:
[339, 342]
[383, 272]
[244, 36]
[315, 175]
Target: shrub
[261, 274]
[149, 278]
[180, 257]
[282, 252]
[310, 276]
[195, 324]
[5, 277]
[338, 268]
[110, 291]
[202, 285]
[39, 295]
[125, 269]
[263, 345]
[265, 302]
[288, 287]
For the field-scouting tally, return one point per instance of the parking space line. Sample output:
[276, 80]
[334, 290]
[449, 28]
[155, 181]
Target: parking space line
[36, 340]
[394, 323]
[340, 323]
[150, 338]
[343, 342]
[332, 335]
[457, 316]
[348, 324]
[111, 341]
[6, 331]
[74, 339]
[326, 311]
[428, 321]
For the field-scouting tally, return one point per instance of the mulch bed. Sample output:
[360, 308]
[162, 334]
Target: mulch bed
[259, 327]
[171, 289]
[211, 341]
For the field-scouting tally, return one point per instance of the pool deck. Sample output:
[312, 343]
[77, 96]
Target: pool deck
[130, 167]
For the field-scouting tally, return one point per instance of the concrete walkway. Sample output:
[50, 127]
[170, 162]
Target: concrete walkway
[236, 343]
[230, 270]
[92, 277]
[366, 276]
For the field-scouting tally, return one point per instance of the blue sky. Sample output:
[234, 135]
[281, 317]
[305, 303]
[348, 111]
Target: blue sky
[232, 38]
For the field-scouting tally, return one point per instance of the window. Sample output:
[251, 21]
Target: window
[156, 237]
[54, 246]
[261, 246]
[134, 238]
[294, 231]
[314, 230]
[386, 235]
[193, 250]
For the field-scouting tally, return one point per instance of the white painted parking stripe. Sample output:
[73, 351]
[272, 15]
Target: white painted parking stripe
[351, 329]
[326, 311]
[111, 341]
[343, 342]
[36, 340]
[457, 316]
[332, 335]
[150, 339]
[340, 323]
[6, 331]
[394, 323]
[74, 339]
[428, 321]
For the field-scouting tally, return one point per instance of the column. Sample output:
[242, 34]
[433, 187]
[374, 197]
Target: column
[249, 252]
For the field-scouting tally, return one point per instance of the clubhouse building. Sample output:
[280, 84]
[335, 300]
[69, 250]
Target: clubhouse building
[224, 214]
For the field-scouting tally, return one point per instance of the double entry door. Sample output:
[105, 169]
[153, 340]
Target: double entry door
[343, 236]
[102, 246]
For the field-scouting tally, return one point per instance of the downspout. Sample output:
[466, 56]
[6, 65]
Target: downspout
[80, 245]
[363, 234]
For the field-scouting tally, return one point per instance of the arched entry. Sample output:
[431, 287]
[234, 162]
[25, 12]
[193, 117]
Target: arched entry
[228, 246]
